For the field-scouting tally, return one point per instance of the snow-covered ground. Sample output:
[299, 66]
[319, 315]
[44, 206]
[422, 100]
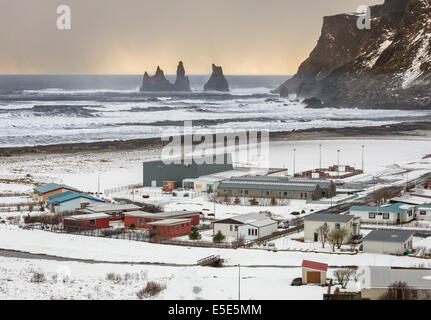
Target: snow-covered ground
[389, 160]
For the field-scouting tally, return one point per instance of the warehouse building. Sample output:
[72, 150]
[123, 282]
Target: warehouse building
[178, 169]
[388, 241]
[276, 187]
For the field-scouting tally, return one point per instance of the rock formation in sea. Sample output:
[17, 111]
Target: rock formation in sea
[387, 66]
[217, 81]
[158, 82]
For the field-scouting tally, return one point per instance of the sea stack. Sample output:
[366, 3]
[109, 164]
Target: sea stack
[158, 82]
[182, 82]
[217, 81]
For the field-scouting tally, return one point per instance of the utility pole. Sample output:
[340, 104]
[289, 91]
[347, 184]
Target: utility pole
[338, 165]
[294, 155]
[239, 281]
[320, 156]
[98, 184]
[363, 158]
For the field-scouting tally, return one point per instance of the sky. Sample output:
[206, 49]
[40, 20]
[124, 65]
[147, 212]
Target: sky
[133, 36]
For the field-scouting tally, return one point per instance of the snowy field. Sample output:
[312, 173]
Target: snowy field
[389, 160]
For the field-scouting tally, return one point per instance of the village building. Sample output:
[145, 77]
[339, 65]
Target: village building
[247, 226]
[141, 219]
[91, 221]
[386, 214]
[410, 199]
[43, 192]
[277, 187]
[377, 280]
[314, 221]
[115, 211]
[171, 227]
[388, 241]
[423, 212]
[314, 272]
[178, 169]
[70, 201]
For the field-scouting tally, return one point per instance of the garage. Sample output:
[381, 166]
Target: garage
[314, 272]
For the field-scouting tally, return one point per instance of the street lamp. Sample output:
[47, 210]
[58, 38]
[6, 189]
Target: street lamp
[294, 154]
[338, 165]
[320, 156]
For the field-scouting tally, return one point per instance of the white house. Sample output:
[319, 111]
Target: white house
[423, 212]
[386, 214]
[334, 221]
[388, 241]
[247, 226]
[70, 201]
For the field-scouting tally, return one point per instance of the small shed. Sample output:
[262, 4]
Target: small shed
[314, 272]
[388, 241]
[171, 227]
[93, 220]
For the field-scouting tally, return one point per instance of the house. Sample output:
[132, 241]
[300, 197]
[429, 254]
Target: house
[377, 280]
[334, 221]
[314, 272]
[410, 199]
[115, 211]
[388, 241]
[423, 212]
[93, 220]
[141, 219]
[70, 201]
[43, 192]
[277, 187]
[386, 214]
[247, 226]
[171, 227]
[178, 169]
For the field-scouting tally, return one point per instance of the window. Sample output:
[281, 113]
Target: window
[92, 222]
[371, 215]
[173, 228]
[386, 216]
[337, 226]
[249, 232]
[229, 192]
[285, 194]
[410, 213]
[236, 228]
[305, 195]
[245, 191]
[267, 193]
[231, 228]
[423, 213]
[301, 195]
[187, 224]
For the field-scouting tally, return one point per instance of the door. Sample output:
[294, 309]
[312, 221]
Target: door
[313, 277]
[316, 237]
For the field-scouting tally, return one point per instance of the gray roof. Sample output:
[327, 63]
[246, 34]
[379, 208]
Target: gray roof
[230, 184]
[329, 217]
[323, 183]
[168, 222]
[161, 215]
[254, 219]
[110, 207]
[389, 235]
[383, 277]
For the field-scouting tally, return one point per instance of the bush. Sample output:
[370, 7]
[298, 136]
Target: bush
[273, 202]
[152, 289]
[237, 201]
[114, 277]
[38, 277]
[219, 237]
[253, 202]
[195, 235]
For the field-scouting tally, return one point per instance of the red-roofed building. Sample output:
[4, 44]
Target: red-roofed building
[314, 272]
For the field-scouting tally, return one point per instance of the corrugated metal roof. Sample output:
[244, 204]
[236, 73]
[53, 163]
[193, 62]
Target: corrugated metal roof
[71, 195]
[51, 187]
[394, 207]
[229, 184]
[87, 216]
[389, 235]
[329, 217]
[108, 207]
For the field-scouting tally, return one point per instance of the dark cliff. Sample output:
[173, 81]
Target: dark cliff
[387, 66]
[217, 81]
[158, 82]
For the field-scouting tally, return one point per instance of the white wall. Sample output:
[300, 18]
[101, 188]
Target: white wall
[310, 228]
[427, 215]
[386, 247]
[393, 217]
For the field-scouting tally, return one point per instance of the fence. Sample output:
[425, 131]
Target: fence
[107, 192]
[13, 194]
[274, 236]
[200, 244]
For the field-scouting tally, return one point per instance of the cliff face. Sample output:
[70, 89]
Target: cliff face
[158, 82]
[217, 81]
[388, 66]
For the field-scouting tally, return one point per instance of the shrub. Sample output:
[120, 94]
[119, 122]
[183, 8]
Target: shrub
[219, 237]
[237, 201]
[253, 202]
[38, 277]
[152, 289]
[114, 277]
[195, 235]
[273, 202]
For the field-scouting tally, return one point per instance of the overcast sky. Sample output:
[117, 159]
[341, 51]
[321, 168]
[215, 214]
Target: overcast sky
[131, 36]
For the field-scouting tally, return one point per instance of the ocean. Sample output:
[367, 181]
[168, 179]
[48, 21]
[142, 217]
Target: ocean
[51, 109]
